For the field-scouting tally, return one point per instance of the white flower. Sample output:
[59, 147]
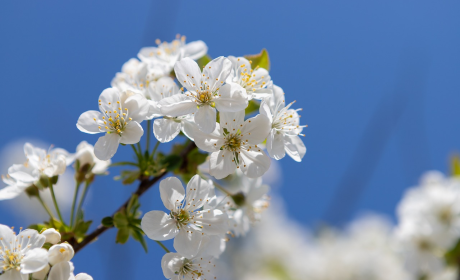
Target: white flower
[245, 207]
[85, 155]
[186, 222]
[64, 271]
[177, 267]
[120, 116]
[285, 127]
[41, 275]
[233, 145]
[52, 236]
[167, 54]
[15, 186]
[257, 82]
[60, 253]
[206, 92]
[51, 163]
[167, 128]
[138, 77]
[22, 254]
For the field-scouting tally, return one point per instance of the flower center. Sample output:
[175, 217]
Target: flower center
[232, 142]
[11, 260]
[182, 217]
[188, 268]
[115, 120]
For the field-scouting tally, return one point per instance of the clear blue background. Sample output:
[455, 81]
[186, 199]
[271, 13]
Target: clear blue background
[378, 82]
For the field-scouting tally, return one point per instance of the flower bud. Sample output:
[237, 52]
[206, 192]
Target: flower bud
[60, 253]
[52, 236]
[83, 276]
[40, 275]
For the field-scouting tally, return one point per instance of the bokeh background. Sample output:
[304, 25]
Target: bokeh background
[378, 82]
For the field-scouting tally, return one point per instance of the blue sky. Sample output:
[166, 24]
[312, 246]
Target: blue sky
[377, 81]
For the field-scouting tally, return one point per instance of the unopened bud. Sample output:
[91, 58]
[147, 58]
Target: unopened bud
[52, 236]
[32, 191]
[60, 253]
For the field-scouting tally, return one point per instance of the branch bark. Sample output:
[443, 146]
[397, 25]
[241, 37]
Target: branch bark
[144, 186]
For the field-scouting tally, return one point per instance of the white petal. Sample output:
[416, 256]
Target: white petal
[8, 236]
[275, 145]
[209, 142]
[87, 124]
[232, 121]
[34, 261]
[10, 192]
[158, 225]
[205, 118]
[254, 163]
[217, 70]
[260, 94]
[171, 192]
[31, 239]
[221, 164]
[138, 106]
[195, 49]
[232, 98]
[295, 148]
[188, 73]
[163, 88]
[170, 264]
[60, 253]
[108, 98]
[188, 129]
[166, 130]
[264, 109]
[52, 236]
[197, 193]
[256, 192]
[62, 271]
[132, 133]
[177, 105]
[40, 275]
[213, 221]
[214, 245]
[255, 130]
[188, 243]
[106, 146]
[13, 274]
[83, 276]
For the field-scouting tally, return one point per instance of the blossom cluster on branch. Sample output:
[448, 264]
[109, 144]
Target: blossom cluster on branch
[233, 118]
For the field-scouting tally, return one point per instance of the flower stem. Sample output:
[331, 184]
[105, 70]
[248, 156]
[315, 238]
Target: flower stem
[47, 209]
[149, 127]
[155, 148]
[55, 201]
[83, 196]
[162, 246]
[72, 214]
[139, 147]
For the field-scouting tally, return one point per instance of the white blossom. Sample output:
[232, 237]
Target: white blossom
[189, 219]
[205, 93]
[285, 127]
[234, 144]
[177, 267]
[119, 118]
[22, 254]
[52, 236]
[60, 253]
[256, 82]
[166, 54]
[85, 155]
[64, 271]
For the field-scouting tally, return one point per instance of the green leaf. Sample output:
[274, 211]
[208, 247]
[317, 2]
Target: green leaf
[455, 165]
[122, 235]
[81, 228]
[133, 203]
[194, 159]
[253, 106]
[128, 176]
[203, 61]
[107, 222]
[262, 60]
[172, 162]
[138, 236]
[120, 220]
[121, 163]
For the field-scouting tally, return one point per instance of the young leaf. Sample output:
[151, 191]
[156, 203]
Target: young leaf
[122, 235]
[120, 220]
[138, 236]
[107, 221]
[262, 60]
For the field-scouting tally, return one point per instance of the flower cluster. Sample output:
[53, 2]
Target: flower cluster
[234, 118]
[22, 256]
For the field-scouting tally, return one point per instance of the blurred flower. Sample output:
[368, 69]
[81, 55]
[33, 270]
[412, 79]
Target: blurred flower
[177, 267]
[85, 155]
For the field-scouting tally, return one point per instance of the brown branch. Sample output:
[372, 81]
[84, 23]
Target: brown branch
[144, 186]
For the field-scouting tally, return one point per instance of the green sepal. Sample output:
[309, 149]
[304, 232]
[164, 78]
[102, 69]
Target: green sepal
[120, 220]
[122, 235]
[262, 60]
[203, 61]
